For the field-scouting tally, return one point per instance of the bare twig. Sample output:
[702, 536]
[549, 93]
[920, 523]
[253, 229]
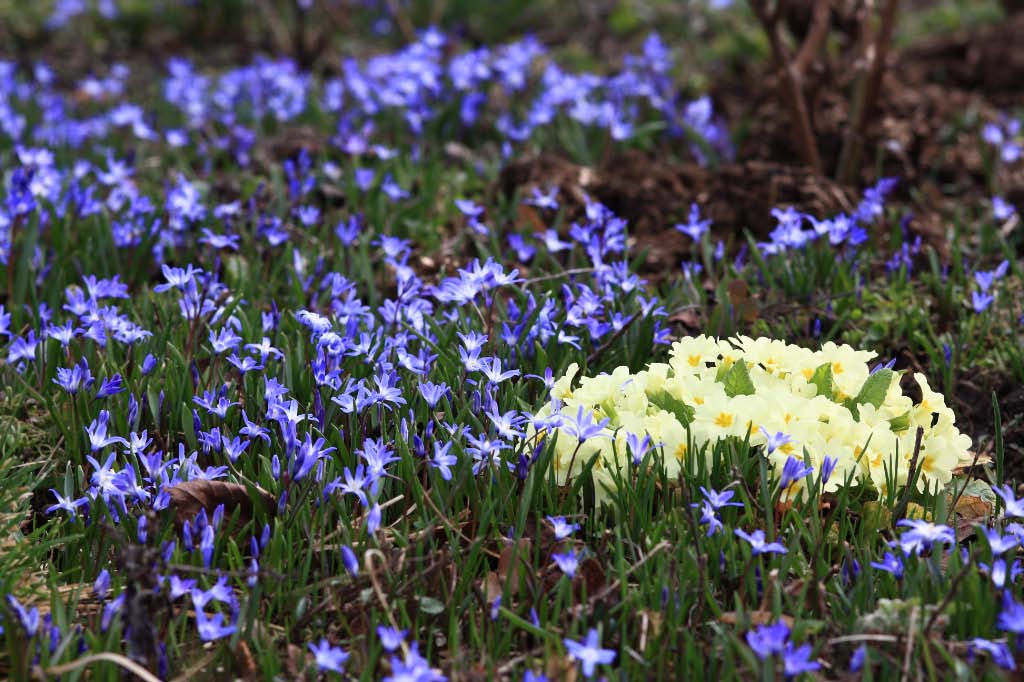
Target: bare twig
[598, 352]
[117, 659]
[849, 639]
[371, 570]
[959, 493]
[909, 649]
[901, 506]
[792, 70]
[867, 89]
[816, 35]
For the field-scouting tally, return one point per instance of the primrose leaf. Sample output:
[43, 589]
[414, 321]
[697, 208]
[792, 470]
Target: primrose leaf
[669, 403]
[737, 380]
[822, 378]
[900, 423]
[874, 389]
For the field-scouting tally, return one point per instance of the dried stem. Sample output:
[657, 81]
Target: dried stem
[901, 506]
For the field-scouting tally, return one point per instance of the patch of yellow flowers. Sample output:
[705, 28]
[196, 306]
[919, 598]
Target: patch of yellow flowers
[828, 402]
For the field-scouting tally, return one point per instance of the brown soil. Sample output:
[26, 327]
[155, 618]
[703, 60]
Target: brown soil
[654, 195]
[988, 60]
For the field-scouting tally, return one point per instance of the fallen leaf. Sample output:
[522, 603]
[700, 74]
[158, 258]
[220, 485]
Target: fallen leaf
[245, 662]
[559, 669]
[973, 508]
[514, 557]
[967, 460]
[744, 305]
[591, 574]
[758, 617]
[492, 586]
[529, 217]
[188, 498]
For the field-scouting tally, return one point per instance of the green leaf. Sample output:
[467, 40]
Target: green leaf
[669, 403]
[874, 389]
[900, 423]
[431, 606]
[737, 380]
[822, 378]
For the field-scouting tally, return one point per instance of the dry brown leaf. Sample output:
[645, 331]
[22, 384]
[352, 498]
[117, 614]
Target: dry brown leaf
[743, 303]
[973, 508]
[650, 626]
[528, 216]
[758, 617]
[513, 559]
[591, 574]
[561, 669]
[245, 663]
[689, 317]
[492, 586]
[188, 498]
[294, 661]
[968, 459]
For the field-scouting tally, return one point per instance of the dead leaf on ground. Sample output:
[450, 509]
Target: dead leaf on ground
[561, 669]
[492, 586]
[967, 460]
[246, 664]
[513, 559]
[758, 617]
[591, 574]
[973, 508]
[188, 498]
[744, 304]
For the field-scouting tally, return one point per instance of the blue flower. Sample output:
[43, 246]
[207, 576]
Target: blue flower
[561, 527]
[442, 461]
[828, 466]
[589, 653]
[757, 543]
[797, 660]
[390, 638]
[858, 658]
[999, 543]
[212, 627]
[1000, 653]
[433, 393]
[768, 640]
[29, 618]
[792, 471]
[890, 563]
[582, 427]
[1011, 618]
[348, 557]
[709, 516]
[66, 503]
[923, 534]
[981, 300]
[719, 500]
[1012, 506]
[329, 657]
[568, 562]
[694, 228]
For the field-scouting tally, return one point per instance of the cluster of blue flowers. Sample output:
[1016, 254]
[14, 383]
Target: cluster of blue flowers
[355, 352]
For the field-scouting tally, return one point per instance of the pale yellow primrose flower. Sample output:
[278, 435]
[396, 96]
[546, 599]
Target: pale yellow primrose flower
[814, 397]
